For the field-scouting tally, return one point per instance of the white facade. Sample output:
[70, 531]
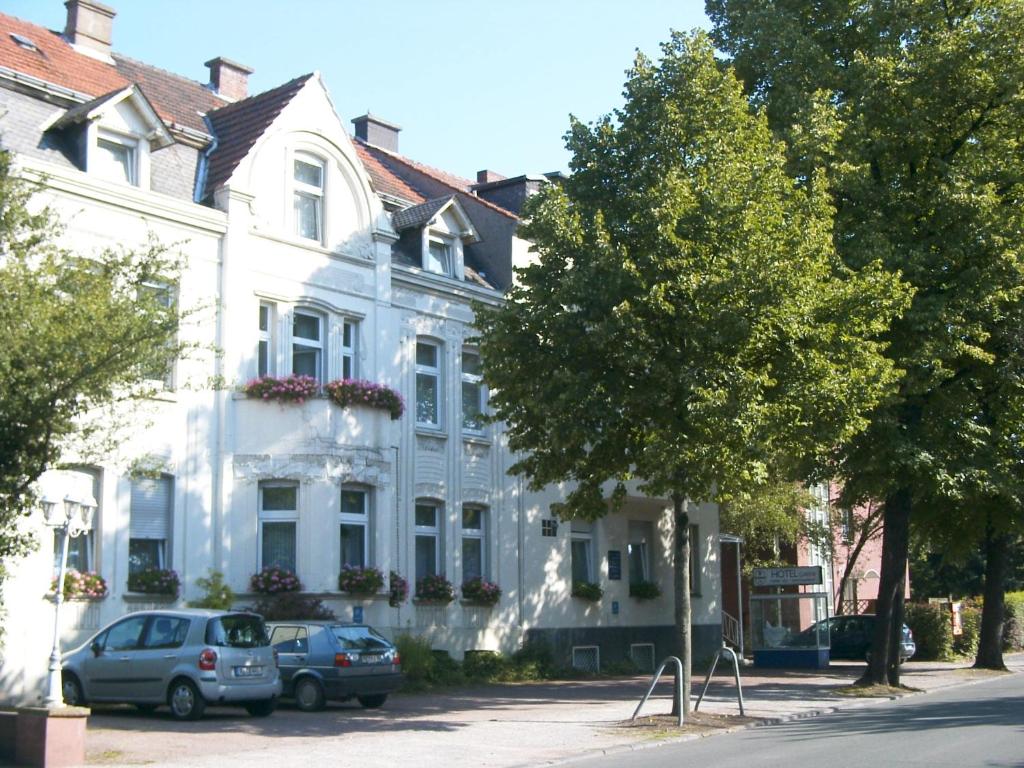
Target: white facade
[296, 267]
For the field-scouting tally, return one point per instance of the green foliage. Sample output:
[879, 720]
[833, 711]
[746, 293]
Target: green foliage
[1013, 622]
[360, 581]
[966, 643]
[587, 590]
[218, 594]
[424, 667]
[932, 631]
[768, 517]
[286, 606]
[485, 665]
[435, 589]
[644, 590]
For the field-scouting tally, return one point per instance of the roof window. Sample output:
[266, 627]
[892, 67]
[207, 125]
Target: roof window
[24, 42]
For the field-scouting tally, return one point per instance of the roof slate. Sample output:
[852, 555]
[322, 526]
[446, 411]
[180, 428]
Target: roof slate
[419, 215]
[237, 127]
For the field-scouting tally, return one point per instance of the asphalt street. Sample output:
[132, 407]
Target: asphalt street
[975, 725]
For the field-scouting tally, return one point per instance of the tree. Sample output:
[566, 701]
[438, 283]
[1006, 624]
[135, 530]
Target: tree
[915, 112]
[686, 320]
[81, 333]
[769, 517]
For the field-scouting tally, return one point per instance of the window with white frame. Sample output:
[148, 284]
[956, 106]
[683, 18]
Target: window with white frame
[149, 526]
[641, 536]
[115, 158]
[473, 393]
[349, 339]
[582, 551]
[81, 548]
[354, 525]
[694, 560]
[278, 524]
[474, 543]
[428, 538]
[428, 384]
[307, 344]
[308, 196]
[265, 346]
[439, 257]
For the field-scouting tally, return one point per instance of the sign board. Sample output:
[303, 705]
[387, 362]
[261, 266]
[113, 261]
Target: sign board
[787, 577]
[614, 565]
[357, 614]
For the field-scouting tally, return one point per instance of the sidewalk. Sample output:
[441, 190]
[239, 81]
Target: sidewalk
[500, 726]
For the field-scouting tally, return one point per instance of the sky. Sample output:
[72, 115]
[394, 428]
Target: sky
[474, 84]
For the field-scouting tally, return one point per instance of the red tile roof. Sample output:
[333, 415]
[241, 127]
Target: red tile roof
[176, 99]
[237, 127]
[384, 181]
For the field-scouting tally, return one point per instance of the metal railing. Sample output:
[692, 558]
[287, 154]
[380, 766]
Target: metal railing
[736, 673]
[678, 688]
[731, 631]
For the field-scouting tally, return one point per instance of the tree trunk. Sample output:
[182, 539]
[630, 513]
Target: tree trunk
[681, 584]
[884, 665]
[990, 639]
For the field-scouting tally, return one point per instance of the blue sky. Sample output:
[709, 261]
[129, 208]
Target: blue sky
[474, 84]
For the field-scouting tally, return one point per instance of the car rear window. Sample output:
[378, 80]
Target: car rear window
[359, 638]
[237, 631]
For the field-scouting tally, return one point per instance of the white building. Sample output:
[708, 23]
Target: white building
[330, 255]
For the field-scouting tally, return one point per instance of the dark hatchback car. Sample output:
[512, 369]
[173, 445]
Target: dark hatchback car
[851, 637]
[324, 661]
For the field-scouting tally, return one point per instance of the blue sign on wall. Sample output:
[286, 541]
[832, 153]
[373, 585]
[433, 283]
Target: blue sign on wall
[615, 607]
[357, 614]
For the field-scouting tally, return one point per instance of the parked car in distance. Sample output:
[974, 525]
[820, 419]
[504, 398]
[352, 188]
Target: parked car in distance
[334, 661]
[185, 659]
[851, 637]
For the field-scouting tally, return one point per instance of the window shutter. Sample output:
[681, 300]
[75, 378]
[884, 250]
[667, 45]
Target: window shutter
[150, 510]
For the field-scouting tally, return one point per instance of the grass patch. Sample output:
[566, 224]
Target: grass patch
[875, 691]
[112, 756]
[660, 727]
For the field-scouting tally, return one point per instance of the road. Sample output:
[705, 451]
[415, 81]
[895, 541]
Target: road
[975, 725]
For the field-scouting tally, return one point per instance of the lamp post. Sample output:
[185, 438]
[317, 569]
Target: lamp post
[69, 517]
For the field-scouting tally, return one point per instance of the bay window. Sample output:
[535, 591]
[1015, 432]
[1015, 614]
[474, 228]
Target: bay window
[307, 344]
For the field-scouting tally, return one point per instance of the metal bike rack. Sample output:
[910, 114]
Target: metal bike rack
[678, 688]
[736, 672]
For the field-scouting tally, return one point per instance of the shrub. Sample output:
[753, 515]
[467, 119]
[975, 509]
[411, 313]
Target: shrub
[485, 665]
[480, 591]
[155, 581]
[644, 590]
[346, 392]
[932, 631]
[966, 644]
[587, 590]
[292, 388]
[360, 581]
[398, 589]
[435, 589]
[291, 606]
[423, 666]
[218, 594]
[534, 661]
[88, 584]
[1013, 622]
[274, 579]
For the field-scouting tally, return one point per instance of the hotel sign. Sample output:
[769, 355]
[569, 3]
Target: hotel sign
[787, 577]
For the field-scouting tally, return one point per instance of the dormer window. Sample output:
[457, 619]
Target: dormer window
[116, 159]
[438, 258]
[308, 197]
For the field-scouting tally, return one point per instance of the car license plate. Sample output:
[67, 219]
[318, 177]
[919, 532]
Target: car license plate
[371, 658]
[248, 671]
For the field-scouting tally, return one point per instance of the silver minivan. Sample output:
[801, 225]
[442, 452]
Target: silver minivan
[185, 659]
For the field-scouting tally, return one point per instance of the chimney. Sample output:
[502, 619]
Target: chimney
[486, 177]
[229, 78]
[377, 132]
[89, 26]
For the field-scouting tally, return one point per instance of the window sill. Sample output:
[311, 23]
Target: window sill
[148, 597]
[476, 604]
[427, 603]
[431, 432]
[475, 439]
[77, 598]
[359, 596]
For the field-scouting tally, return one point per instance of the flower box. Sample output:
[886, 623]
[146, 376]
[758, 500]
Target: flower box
[284, 389]
[587, 590]
[435, 590]
[87, 585]
[348, 392]
[480, 592]
[644, 590]
[398, 589]
[155, 581]
[273, 580]
[360, 581]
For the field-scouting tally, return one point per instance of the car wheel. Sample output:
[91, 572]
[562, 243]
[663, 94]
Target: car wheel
[71, 690]
[372, 702]
[185, 700]
[263, 708]
[309, 695]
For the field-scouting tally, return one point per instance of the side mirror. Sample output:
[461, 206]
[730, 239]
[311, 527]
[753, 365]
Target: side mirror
[96, 648]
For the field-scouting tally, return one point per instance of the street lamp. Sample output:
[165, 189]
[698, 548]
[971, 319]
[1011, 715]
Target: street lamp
[69, 517]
